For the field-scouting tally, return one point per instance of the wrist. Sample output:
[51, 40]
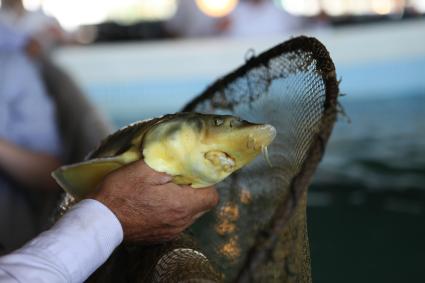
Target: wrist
[108, 203]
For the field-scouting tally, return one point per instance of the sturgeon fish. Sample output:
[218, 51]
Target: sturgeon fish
[196, 149]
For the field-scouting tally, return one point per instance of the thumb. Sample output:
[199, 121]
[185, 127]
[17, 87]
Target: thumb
[203, 199]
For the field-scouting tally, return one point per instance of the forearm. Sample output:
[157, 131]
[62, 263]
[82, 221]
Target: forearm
[70, 251]
[29, 168]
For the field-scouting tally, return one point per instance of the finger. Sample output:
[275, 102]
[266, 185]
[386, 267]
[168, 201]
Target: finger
[198, 215]
[151, 240]
[203, 199]
[160, 239]
[166, 234]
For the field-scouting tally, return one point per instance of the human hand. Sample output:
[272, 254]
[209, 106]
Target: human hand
[151, 208]
[28, 168]
[33, 48]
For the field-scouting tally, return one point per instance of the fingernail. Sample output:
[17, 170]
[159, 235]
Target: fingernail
[199, 214]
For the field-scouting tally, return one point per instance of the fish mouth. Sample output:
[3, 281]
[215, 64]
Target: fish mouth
[261, 136]
[221, 159]
[260, 139]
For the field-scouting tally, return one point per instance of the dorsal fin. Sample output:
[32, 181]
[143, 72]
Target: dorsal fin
[122, 139]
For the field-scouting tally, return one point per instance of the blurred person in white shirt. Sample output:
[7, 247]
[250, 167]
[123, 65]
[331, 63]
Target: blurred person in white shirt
[189, 22]
[260, 18]
[30, 144]
[44, 29]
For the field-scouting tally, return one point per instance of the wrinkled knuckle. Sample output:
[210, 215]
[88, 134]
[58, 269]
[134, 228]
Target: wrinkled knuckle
[177, 204]
[181, 230]
[182, 222]
[181, 205]
[175, 234]
[180, 212]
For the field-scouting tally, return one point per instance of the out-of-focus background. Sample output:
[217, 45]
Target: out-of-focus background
[137, 59]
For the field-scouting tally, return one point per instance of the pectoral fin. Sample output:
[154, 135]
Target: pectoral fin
[82, 178]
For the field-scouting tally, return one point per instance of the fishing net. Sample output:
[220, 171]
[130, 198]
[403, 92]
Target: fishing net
[258, 233]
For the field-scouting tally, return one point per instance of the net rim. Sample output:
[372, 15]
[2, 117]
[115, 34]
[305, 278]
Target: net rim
[318, 51]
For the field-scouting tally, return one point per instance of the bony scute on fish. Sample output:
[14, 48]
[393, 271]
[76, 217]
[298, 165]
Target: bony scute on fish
[195, 149]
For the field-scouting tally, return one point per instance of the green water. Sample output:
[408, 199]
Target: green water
[369, 242]
[366, 217]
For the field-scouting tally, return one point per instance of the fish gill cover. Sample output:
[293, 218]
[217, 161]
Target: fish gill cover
[258, 232]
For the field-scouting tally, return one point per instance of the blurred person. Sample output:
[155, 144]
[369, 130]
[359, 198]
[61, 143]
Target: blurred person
[134, 203]
[43, 29]
[322, 20]
[260, 18]
[30, 146]
[189, 21]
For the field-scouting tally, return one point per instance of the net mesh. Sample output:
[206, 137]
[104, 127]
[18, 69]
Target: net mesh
[293, 87]
[258, 232]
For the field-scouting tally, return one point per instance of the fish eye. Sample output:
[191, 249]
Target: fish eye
[218, 122]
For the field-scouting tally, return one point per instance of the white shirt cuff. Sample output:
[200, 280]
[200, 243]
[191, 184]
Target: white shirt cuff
[75, 246]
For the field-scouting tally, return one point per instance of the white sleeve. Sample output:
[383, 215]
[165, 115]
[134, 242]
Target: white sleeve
[70, 251]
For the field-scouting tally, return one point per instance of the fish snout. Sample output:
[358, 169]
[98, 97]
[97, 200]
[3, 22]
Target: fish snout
[269, 132]
[262, 136]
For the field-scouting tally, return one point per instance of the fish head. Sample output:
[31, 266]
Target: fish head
[231, 140]
[201, 150]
